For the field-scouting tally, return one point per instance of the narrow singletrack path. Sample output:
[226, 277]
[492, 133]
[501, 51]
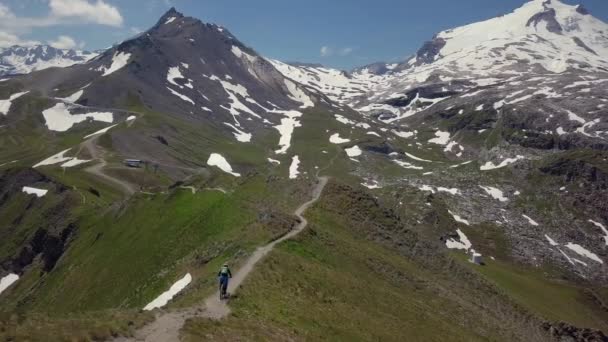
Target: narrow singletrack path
[98, 169]
[167, 324]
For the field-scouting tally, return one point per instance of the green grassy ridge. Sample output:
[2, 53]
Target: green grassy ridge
[127, 260]
[543, 290]
[334, 270]
[24, 214]
[92, 326]
[27, 139]
[303, 291]
[307, 288]
[125, 255]
[552, 299]
[108, 234]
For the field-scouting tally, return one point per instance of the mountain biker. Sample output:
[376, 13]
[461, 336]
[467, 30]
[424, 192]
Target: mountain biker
[224, 274]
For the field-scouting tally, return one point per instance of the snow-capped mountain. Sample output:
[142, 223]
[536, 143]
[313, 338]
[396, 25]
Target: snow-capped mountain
[22, 60]
[194, 71]
[338, 85]
[542, 33]
[546, 42]
[542, 36]
[523, 86]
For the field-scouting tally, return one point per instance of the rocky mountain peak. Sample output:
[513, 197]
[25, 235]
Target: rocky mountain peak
[171, 15]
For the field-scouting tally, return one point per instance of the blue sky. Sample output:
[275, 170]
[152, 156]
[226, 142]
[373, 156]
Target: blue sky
[339, 33]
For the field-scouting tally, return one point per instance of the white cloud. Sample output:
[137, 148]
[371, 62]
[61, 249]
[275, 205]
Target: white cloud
[8, 40]
[346, 51]
[326, 51]
[135, 30]
[98, 12]
[63, 42]
[5, 12]
[61, 12]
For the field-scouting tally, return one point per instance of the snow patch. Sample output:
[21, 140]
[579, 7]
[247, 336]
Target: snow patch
[55, 159]
[335, 139]
[407, 165]
[354, 151]
[416, 158]
[236, 106]
[461, 164]
[286, 128]
[491, 166]
[442, 138]
[239, 134]
[175, 73]
[371, 184]
[343, 120]
[101, 131]
[457, 218]
[73, 98]
[530, 221]
[551, 241]
[5, 105]
[452, 191]
[404, 134]
[165, 297]
[293, 168]
[427, 188]
[183, 97]
[74, 162]
[58, 118]
[574, 117]
[34, 191]
[583, 252]
[603, 228]
[7, 281]
[216, 159]
[495, 193]
[240, 54]
[298, 95]
[463, 242]
[119, 60]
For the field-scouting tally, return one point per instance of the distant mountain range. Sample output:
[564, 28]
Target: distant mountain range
[22, 60]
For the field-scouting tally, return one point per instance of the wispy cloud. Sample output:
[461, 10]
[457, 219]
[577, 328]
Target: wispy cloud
[346, 51]
[61, 12]
[327, 51]
[65, 42]
[8, 39]
[98, 12]
[135, 30]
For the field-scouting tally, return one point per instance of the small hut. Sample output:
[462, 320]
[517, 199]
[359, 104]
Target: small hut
[476, 258]
[133, 163]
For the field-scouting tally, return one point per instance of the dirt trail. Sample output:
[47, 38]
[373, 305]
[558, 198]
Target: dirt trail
[97, 169]
[167, 325]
